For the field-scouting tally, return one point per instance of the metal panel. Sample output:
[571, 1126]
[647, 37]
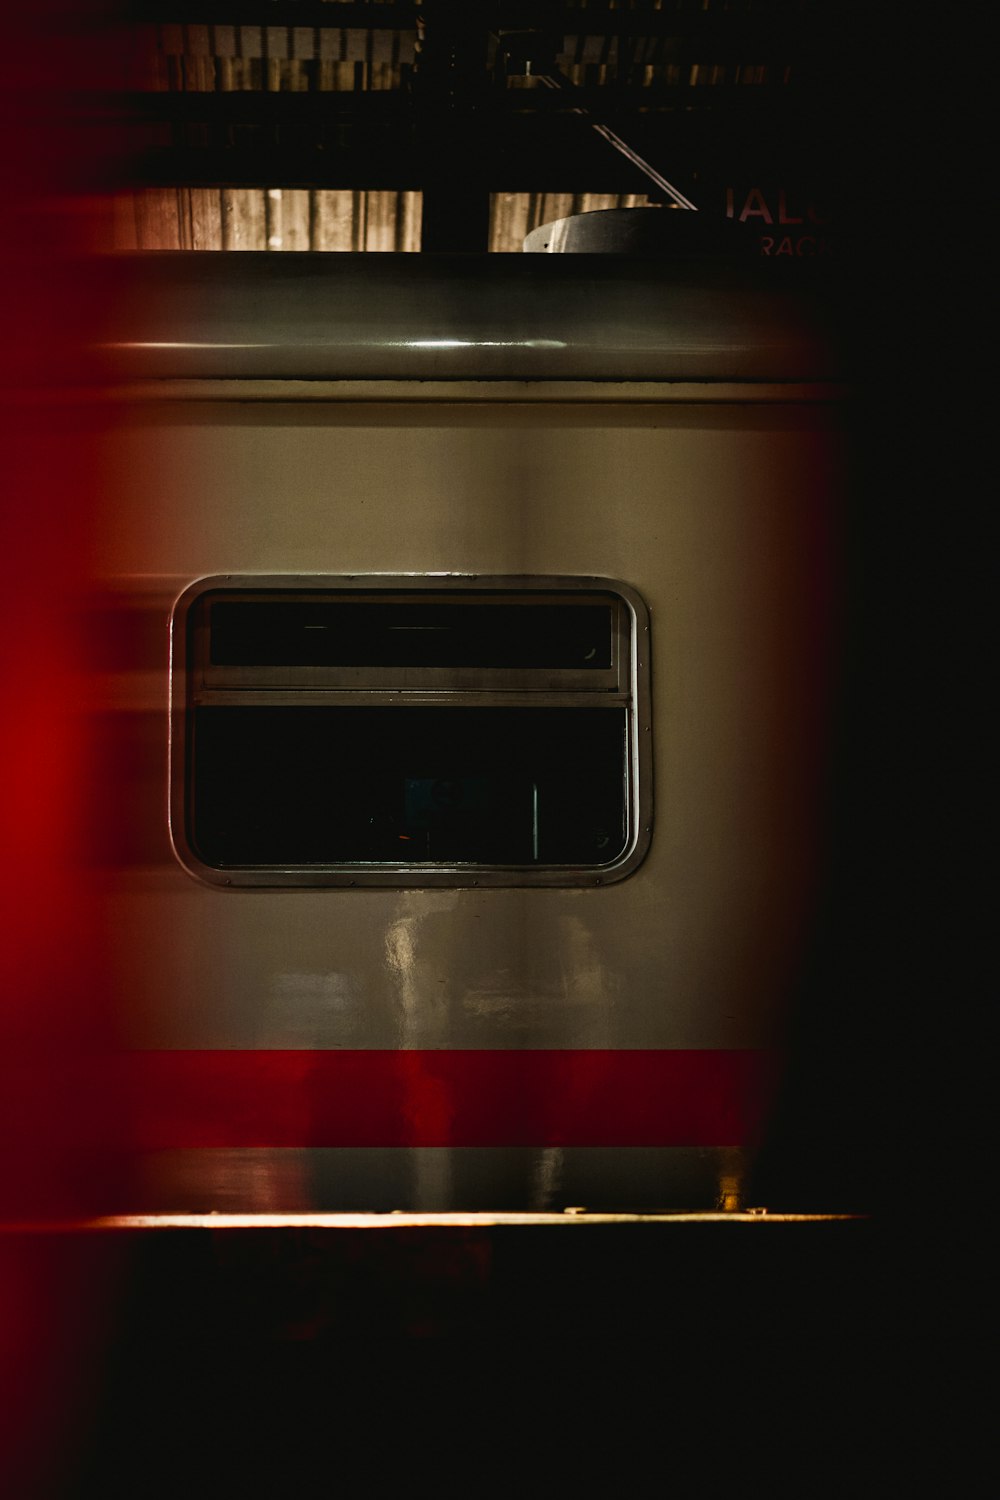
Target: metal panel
[329, 316]
[720, 516]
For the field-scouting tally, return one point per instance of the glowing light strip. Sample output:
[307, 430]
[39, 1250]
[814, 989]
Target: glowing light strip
[210, 344]
[395, 1220]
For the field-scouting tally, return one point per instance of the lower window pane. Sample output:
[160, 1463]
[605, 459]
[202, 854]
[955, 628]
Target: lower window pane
[407, 785]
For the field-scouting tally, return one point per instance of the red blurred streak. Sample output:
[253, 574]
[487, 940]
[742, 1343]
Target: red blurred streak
[54, 1008]
[709, 1098]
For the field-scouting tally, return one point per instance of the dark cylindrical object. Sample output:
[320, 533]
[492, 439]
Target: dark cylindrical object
[644, 231]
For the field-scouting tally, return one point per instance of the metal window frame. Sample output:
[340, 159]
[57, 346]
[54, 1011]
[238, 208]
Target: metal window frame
[626, 684]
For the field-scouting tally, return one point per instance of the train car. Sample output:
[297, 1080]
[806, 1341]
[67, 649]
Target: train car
[463, 632]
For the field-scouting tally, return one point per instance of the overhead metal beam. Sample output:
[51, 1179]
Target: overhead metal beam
[337, 15]
[569, 159]
[262, 106]
[780, 22]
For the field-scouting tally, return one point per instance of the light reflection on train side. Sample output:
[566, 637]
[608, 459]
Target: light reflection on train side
[210, 343]
[397, 1219]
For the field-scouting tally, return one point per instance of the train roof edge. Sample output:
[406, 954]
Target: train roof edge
[329, 316]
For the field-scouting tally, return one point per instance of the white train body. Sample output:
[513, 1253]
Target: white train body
[683, 440]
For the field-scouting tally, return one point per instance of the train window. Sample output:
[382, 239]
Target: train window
[409, 731]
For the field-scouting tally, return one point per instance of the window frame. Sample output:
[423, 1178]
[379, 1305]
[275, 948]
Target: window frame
[195, 681]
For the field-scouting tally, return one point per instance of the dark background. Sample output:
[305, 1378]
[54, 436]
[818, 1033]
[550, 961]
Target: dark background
[463, 1359]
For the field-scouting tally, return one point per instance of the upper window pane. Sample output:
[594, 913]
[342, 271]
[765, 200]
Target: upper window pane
[410, 634]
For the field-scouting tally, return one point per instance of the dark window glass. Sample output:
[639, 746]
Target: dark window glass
[330, 785]
[350, 634]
